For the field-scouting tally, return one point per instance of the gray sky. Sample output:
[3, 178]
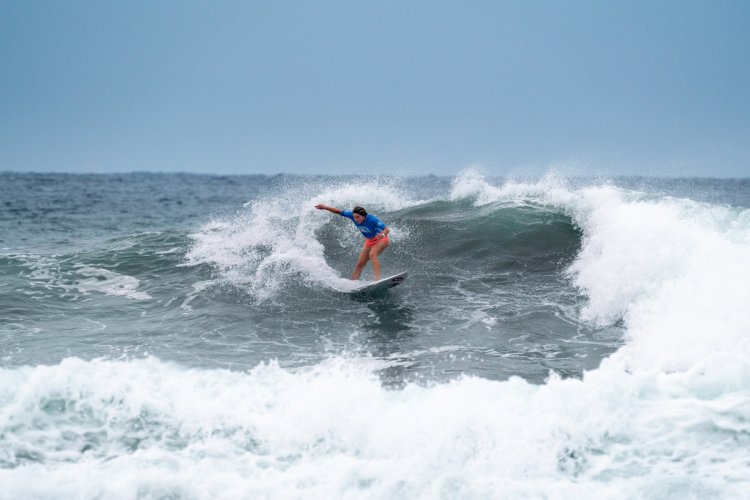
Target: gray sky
[415, 87]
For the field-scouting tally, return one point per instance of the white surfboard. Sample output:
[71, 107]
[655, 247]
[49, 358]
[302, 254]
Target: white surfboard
[380, 285]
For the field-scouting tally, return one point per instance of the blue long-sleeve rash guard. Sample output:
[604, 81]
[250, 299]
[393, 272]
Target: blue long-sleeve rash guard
[369, 228]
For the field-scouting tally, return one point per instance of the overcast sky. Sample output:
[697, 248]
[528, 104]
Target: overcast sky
[650, 87]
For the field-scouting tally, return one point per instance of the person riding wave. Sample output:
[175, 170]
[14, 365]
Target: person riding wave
[375, 233]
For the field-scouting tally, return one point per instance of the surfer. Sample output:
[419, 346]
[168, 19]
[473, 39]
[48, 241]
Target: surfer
[375, 233]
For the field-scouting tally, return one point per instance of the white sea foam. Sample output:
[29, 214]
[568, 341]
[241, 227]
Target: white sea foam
[149, 428]
[108, 283]
[275, 238]
[677, 271]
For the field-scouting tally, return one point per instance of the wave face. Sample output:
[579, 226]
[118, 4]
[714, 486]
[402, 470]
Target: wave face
[181, 336]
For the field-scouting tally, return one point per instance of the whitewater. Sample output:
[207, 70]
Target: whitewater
[173, 336]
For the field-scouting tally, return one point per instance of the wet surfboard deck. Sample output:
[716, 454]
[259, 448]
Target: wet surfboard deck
[380, 285]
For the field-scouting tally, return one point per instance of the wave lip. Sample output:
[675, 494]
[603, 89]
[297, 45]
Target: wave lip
[675, 272]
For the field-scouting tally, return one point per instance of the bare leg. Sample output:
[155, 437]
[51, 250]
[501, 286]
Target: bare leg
[374, 252]
[364, 256]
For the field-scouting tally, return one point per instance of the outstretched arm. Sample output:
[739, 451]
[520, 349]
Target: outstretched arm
[320, 206]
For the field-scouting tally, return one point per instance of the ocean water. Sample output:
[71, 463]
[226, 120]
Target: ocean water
[180, 336]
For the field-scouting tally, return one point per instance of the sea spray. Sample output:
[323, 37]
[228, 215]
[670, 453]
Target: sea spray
[260, 248]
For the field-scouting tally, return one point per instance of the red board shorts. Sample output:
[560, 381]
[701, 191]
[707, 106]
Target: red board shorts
[374, 241]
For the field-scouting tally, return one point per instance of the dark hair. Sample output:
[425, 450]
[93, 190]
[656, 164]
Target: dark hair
[359, 210]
